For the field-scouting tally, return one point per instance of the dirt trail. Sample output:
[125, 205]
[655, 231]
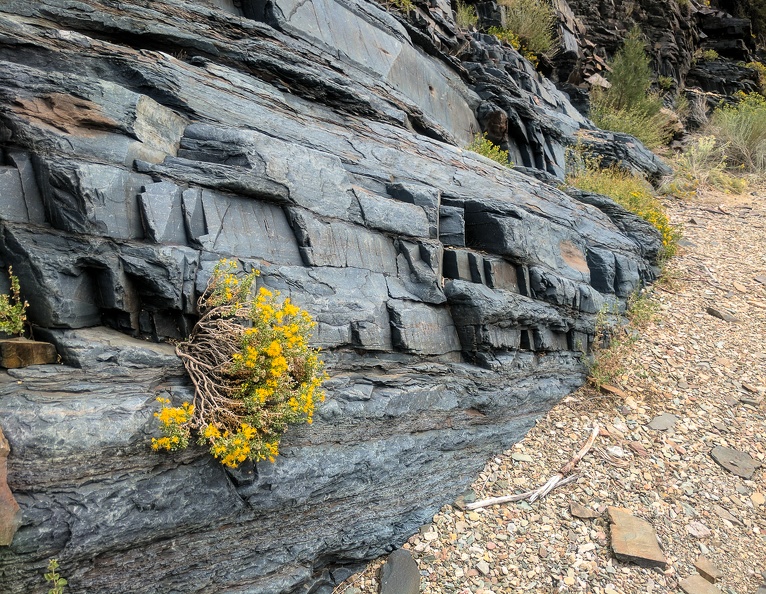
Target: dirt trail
[707, 372]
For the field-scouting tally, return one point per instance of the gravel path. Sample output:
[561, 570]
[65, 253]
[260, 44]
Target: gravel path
[709, 373]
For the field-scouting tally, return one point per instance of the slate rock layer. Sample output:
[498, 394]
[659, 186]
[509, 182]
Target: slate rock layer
[318, 142]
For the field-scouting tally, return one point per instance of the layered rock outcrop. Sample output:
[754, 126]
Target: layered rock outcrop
[318, 142]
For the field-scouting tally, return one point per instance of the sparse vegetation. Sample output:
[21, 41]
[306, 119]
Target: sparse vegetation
[665, 83]
[741, 132]
[702, 164]
[708, 55]
[403, 6]
[628, 106]
[13, 310]
[252, 369]
[760, 70]
[465, 16]
[630, 191]
[528, 26]
[485, 147]
[54, 579]
[612, 340]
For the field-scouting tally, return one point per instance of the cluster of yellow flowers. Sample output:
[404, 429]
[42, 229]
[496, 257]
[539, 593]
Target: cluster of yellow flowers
[175, 426]
[273, 378]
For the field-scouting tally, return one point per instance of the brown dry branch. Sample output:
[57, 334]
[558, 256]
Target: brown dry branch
[562, 477]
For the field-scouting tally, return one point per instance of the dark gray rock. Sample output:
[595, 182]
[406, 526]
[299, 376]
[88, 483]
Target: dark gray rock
[722, 315]
[452, 226]
[663, 422]
[399, 574]
[736, 462]
[304, 151]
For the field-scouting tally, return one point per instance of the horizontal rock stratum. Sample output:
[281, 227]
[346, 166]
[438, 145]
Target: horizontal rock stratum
[320, 143]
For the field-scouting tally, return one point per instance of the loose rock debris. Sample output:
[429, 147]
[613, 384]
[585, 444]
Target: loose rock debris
[687, 364]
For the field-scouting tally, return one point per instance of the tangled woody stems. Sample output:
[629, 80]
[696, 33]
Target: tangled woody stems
[253, 371]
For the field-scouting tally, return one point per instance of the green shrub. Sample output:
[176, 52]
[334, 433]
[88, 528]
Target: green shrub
[465, 16]
[485, 147]
[760, 70]
[709, 55]
[631, 192]
[741, 132]
[12, 308]
[252, 369]
[533, 22]
[665, 82]
[702, 164]
[628, 106]
[651, 127]
[54, 578]
[404, 6]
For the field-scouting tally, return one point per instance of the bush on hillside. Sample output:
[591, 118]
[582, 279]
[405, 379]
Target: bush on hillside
[741, 132]
[486, 148]
[702, 164]
[465, 16]
[628, 106]
[630, 191]
[528, 23]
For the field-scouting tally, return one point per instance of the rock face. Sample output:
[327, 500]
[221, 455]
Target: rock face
[317, 141]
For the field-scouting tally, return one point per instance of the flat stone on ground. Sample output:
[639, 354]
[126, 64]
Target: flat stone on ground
[663, 422]
[20, 352]
[734, 461]
[707, 570]
[725, 316]
[696, 584]
[634, 539]
[580, 511]
[400, 574]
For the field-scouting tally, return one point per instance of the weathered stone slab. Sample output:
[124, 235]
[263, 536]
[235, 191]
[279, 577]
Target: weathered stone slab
[696, 584]
[326, 243]
[32, 197]
[452, 226]
[93, 198]
[10, 512]
[457, 266]
[580, 511]
[707, 570]
[248, 228]
[20, 352]
[426, 197]
[12, 204]
[422, 329]
[501, 274]
[722, 315]
[392, 216]
[736, 462]
[400, 574]
[634, 539]
[162, 213]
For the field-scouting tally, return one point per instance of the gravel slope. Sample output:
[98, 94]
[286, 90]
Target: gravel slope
[709, 373]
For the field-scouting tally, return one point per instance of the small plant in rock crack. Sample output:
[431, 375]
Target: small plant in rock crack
[54, 579]
[13, 310]
[613, 340]
[486, 148]
[253, 371]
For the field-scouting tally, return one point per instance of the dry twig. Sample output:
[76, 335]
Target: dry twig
[562, 477]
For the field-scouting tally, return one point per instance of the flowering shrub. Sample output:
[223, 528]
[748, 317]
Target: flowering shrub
[12, 308]
[629, 191]
[253, 371]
